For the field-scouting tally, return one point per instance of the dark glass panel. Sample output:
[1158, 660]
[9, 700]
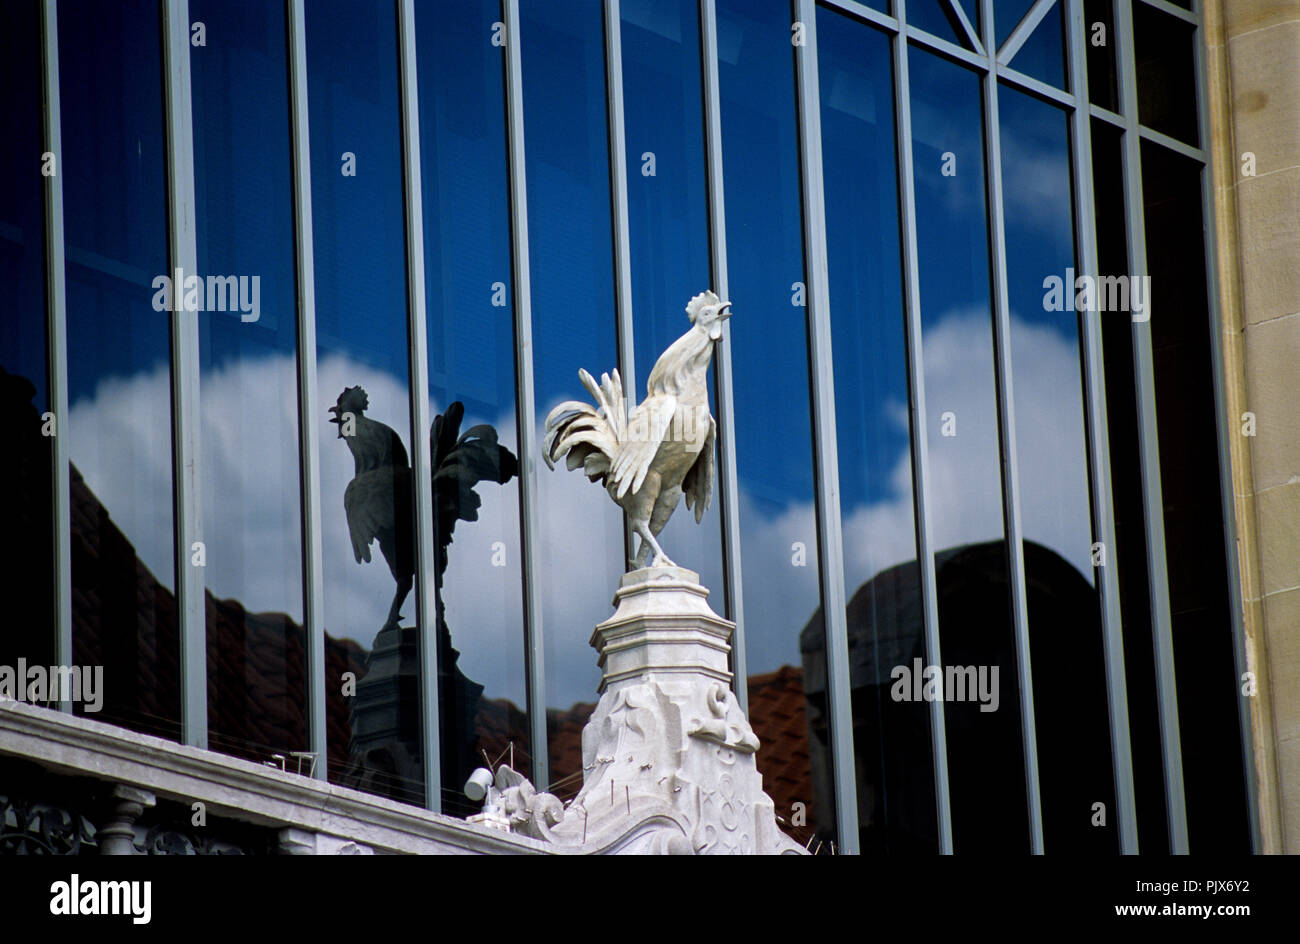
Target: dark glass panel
[361, 332]
[985, 749]
[667, 225]
[1101, 41]
[1043, 54]
[1129, 555]
[933, 16]
[786, 654]
[1166, 73]
[482, 689]
[895, 770]
[1205, 665]
[573, 327]
[1074, 761]
[1007, 15]
[252, 524]
[119, 427]
[26, 572]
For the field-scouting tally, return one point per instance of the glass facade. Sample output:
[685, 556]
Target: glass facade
[939, 224]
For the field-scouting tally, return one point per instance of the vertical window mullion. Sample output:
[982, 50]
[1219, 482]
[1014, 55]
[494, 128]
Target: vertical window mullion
[526, 401]
[183, 256]
[727, 479]
[1148, 443]
[57, 340]
[308, 437]
[1097, 432]
[925, 548]
[829, 536]
[1007, 439]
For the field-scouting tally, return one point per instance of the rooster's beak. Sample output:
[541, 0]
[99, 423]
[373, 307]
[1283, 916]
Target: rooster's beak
[724, 311]
[335, 419]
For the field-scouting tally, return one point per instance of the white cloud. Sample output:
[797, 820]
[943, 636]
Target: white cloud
[253, 541]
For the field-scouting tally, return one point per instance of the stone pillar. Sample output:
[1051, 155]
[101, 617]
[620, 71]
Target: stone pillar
[1253, 78]
[668, 756]
[117, 836]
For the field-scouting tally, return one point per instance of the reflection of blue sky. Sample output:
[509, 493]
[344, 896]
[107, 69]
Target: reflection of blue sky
[118, 345]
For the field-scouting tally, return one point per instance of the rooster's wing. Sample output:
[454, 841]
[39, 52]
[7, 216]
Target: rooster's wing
[368, 502]
[646, 428]
[698, 484]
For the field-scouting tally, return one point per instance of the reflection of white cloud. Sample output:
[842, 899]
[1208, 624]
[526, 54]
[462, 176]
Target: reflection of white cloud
[250, 472]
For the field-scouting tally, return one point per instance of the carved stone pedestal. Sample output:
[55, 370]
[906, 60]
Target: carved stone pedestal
[668, 756]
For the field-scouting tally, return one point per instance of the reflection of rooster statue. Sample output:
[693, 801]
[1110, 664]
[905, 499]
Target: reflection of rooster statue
[647, 460]
[378, 499]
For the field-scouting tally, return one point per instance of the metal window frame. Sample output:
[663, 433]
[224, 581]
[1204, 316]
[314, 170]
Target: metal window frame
[308, 397]
[1226, 426]
[1015, 536]
[825, 447]
[728, 479]
[525, 402]
[1148, 444]
[187, 481]
[1097, 431]
[925, 549]
[418, 365]
[56, 339]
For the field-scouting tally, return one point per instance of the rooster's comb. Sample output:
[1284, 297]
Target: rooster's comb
[352, 400]
[699, 301]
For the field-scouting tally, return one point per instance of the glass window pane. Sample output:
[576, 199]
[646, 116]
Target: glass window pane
[115, 219]
[664, 125]
[1127, 501]
[895, 770]
[1007, 15]
[933, 16]
[1166, 73]
[784, 642]
[573, 327]
[26, 572]
[985, 750]
[469, 291]
[1099, 28]
[361, 332]
[1074, 761]
[1205, 664]
[257, 699]
[1043, 54]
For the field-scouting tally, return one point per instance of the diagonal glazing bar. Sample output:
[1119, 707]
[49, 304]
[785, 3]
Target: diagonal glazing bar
[964, 22]
[1023, 30]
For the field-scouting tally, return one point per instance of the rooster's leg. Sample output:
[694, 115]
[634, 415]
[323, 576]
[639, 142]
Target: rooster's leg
[660, 559]
[399, 597]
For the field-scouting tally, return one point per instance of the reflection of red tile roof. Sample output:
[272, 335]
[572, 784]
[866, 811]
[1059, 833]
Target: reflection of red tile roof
[257, 693]
[776, 713]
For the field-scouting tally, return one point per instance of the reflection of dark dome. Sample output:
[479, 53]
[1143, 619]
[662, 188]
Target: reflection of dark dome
[985, 752]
